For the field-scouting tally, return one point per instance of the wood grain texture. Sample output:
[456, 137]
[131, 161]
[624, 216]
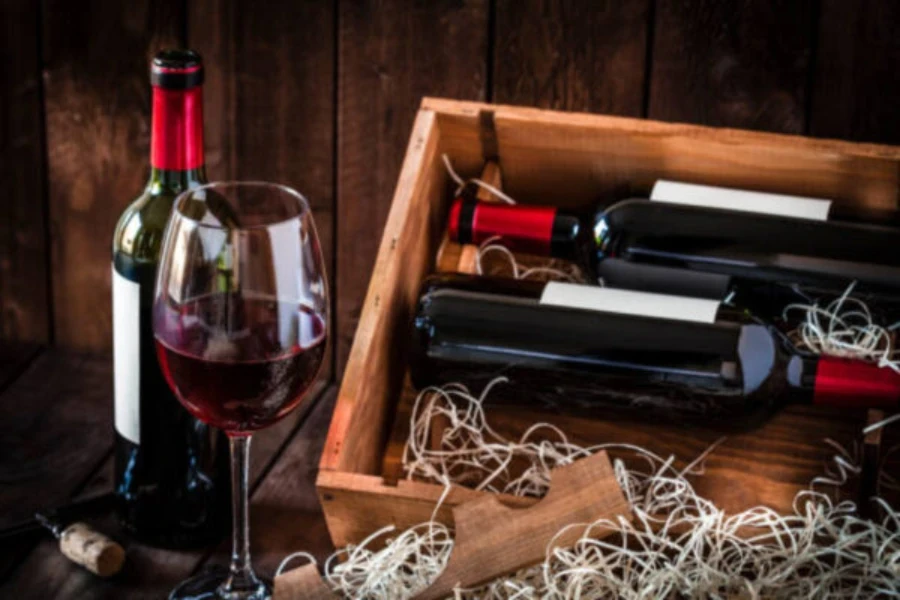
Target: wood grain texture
[97, 95]
[373, 377]
[150, 573]
[765, 464]
[14, 358]
[391, 53]
[24, 310]
[856, 88]
[57, 428]
[736, 64]
[572, 55]
[269, 94]
[491, 540]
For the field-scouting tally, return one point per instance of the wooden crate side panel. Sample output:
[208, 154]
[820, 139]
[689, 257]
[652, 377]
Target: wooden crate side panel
[577, 164]
[357, 505]
[376, 364]
[575, 158]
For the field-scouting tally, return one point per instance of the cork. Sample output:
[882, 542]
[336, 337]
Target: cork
[303, 583]
[92, 550]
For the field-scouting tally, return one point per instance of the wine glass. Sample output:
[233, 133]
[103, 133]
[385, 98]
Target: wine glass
[240, 319]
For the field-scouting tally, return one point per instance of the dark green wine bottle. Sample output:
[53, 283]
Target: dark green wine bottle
[171, 470]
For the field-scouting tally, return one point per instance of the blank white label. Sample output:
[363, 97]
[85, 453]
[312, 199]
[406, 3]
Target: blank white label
[627, 302]
[709, 196]
[127, 356]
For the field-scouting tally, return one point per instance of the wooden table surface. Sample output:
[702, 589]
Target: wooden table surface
[56, 439]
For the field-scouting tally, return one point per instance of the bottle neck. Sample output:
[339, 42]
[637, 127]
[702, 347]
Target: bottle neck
[848, 383]
[539, 230]
[176, 142]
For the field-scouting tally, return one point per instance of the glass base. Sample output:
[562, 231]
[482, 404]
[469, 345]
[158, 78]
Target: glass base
[208, 586]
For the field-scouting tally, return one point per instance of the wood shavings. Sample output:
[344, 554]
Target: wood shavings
[846, 328]
[679, 545]
[517, 271]
[461, 183]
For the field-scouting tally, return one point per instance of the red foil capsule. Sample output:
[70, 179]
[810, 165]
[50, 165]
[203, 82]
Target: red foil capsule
[521, 228]
[853, 383]
[177, 130]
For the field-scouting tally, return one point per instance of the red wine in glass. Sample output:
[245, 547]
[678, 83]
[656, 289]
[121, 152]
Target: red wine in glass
[240, 317]
[251, 376]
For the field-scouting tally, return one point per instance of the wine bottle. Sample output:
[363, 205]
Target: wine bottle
[596, 349]
[171, 470]
[822, 256]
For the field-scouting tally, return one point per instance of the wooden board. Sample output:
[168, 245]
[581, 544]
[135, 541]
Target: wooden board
[24, 308]
[270, 106]
[578, 158]
[57, 428]
[97, 96]
[150, 573]
[571, 55]
[57, 418]
[390, 55]
[732, 64]
[856, 89]
[410, 239]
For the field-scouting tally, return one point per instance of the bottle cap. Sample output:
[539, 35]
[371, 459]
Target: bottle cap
[177, 69]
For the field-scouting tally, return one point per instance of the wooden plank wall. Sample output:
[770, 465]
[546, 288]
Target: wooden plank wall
[321, 96]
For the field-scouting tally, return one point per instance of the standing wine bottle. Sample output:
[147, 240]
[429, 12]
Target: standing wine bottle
[589, 348]
[819, 255]
[171, 470]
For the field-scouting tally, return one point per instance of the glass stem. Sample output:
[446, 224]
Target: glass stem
[242, 579]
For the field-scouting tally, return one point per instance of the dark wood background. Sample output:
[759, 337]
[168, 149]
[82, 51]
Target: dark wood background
[321, 96]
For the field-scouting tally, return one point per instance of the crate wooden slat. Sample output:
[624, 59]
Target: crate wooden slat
[573, 160]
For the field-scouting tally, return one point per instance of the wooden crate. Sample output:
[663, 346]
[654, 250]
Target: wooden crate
[573, 160]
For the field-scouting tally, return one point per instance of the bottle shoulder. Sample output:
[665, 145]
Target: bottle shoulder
[139, 231]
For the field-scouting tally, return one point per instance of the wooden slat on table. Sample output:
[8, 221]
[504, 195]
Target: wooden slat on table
[734, 64]
[390, 53]
[571, 55]
[24, 310]
[57, 428]
[856, 87]
[152, 572]
[269, 97]
[97, 93]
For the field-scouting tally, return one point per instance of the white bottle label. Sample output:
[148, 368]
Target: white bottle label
[627, 302]
[742, 200]
[127, 356]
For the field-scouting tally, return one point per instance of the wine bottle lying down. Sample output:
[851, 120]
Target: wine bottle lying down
[750, 248]
[597, 350]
